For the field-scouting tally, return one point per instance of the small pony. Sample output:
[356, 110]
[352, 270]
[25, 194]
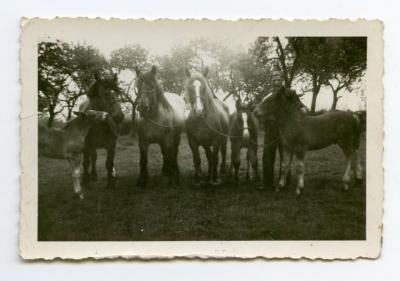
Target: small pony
[301, 133]
[244, 134]
[68, 142]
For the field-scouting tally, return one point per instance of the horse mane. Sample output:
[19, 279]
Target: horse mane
[161, 99]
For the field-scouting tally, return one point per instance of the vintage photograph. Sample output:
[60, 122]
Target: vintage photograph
[196, 131]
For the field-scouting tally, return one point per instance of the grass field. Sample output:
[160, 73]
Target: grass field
[323, 212]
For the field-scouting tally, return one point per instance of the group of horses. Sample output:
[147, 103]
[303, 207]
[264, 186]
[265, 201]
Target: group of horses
[208, 123]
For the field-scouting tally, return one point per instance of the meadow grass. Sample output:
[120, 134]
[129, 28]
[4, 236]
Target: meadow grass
[226, 212]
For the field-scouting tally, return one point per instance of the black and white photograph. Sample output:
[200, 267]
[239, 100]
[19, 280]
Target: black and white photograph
[195, 131]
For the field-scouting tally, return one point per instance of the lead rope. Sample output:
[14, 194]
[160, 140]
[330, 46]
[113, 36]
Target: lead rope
[232, 136]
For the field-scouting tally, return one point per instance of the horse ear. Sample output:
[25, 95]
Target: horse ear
[187, 72]
[96, 76]
[115, 77]
[137, 70]
[205, 72]
[153, 70]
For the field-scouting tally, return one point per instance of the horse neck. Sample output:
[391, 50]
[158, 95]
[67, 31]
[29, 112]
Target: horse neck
[160, 103]
[290, 118]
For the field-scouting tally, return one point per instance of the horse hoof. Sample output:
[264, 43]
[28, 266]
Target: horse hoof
[215, 182]
[79, 196]
[93, 177]
[197, 183]
[277, 189]
[298, 191]
[259, 186]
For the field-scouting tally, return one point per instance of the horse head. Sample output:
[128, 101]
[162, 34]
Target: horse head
[245, 117]
[148, 90]
[198, 92]
[103, 95]
[283, 100]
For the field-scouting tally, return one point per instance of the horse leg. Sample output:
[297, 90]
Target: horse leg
[93, 160]
[214, 166]
[252, 154]
[86, 164]
[143, 174]
[235, 159]
[285, 169]
[358, 168]
[110, 166]
[347, 174]
[165, 167]
[346, 147]
[174, 160]
[196, 161]
[248, 164]
[299, 159]
[223, 154]
[75, 163]
[208, 152]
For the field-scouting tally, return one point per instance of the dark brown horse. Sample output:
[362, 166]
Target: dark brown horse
[244, 134]
[207, 125]
[68, 142]
[102, 95]
[300, 133]
[161, 121]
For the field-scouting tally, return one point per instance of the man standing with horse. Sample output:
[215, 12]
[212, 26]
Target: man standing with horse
[271, 137]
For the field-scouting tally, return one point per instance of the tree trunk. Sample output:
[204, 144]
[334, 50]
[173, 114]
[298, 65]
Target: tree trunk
[314, 101]
[334, 99]
[51, 118]
[69, 116]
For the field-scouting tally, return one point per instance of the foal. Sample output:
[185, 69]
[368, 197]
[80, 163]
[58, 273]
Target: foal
[301, 133]
[68, 142]
[244, 134]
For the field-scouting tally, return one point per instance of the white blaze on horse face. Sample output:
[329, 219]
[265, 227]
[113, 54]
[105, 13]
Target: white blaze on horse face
[198, 108]
[246, 133]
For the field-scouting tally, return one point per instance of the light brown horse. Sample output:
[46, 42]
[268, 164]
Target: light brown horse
[68, 142]
[301, 133]
[162, 120]
[207, 125]
[243, 133]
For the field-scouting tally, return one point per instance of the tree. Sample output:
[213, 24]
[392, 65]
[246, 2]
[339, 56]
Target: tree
[53, 72]
[348, 64]
[126, 59]
[314, 57]
[172, 68]
[129, 57]
[84, 62]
